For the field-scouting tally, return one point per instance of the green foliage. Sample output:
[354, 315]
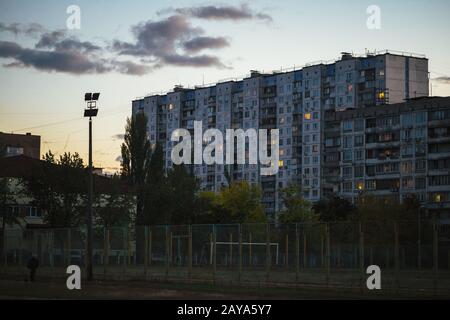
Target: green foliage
[297, 208]
[136, 153]
[238, 203]
[335, 209]
[57, 190]
[183, 188]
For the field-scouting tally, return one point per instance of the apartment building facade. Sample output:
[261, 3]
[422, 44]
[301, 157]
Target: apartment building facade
[294, 102]
[392, 151]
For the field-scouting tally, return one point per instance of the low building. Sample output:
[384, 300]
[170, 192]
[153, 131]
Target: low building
[12, 144]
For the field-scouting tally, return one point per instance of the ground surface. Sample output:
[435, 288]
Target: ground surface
[47, 288]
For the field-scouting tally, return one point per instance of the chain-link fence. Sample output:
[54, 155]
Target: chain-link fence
[410, 255]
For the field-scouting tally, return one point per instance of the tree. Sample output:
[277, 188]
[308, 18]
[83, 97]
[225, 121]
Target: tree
[58, 189]
[334, 209]
[136, 153]
[7, 199]
[115, 208]
[183, 187]
[297, 208]
[242, 203]
[156, 191]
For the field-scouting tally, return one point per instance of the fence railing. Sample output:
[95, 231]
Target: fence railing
[410, 255]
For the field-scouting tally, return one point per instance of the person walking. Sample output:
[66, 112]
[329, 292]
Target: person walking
[33, 264]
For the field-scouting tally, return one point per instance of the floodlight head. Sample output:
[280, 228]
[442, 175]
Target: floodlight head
[90, 113]
[95, 96]
[88, 96]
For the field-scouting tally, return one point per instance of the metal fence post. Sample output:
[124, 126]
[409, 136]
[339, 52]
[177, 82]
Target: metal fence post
[167, 252]
[214, 254]
[150, 255]
[250, 262]
[328, 252]
[297, 252]
[231, 249]
[129, 249]
[287, 252]
[268, 257]
[305, 258]
[5, 247]
[145, 251]
[419, 243]
[105, 251]
[190, 252]
[396, 255]
[435, 253]
[125, 253]
[69, 246]
[240, 253]
[171, 249]
[361, 255]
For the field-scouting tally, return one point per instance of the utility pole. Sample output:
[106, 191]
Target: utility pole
[91, 111]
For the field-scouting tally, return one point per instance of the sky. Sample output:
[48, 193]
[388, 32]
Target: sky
[128, 49]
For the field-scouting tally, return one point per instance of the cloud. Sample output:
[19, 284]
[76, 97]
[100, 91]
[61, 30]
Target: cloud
[244, 12]
[161, 42]
[443, 80]
[30, 29]
[119, 136]
[199, 43]
[59, 41]
[169, 41]
[62, 61]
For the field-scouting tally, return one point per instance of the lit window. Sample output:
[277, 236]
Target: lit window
[280, 163]
[307, 116]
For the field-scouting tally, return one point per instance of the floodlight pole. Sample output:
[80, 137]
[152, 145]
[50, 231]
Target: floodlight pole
[89, 269]
[90, 111]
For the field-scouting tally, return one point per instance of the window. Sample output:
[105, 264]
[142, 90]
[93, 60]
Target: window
[348, 125]
[347, 186]
[359, 141]
[421, 117]
[359, 171]
[371, 184]
[420, 183]
[359, 154]
[347, 172]
[348, 141]
[33, 212]
[347, 155]
[359, 125]
[408, 183]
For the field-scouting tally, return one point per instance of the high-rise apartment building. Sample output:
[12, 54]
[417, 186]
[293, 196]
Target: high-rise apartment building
[295, 102]
[392, 151]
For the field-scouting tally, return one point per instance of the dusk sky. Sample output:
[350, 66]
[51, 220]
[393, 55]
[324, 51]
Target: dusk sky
[127, 49]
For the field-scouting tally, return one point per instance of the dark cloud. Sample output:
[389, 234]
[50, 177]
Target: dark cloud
[59, 41]
[443, 80]
[62, 61]
[172, 40]
[199, 43]
[130, 68]
[161, 41]
[243, 12]
[31, 29]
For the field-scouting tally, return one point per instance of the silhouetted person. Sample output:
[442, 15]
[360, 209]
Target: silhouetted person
[33, 264]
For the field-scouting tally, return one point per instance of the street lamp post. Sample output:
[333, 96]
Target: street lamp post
[90, 111]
